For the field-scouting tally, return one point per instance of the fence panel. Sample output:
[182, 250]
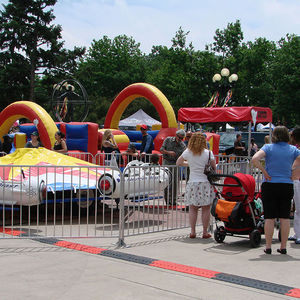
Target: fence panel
[154, 199]
[58, 201]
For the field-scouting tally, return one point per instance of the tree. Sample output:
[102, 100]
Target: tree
[13, 80]
[108, 67]
[228, 41]
[181, 73]
[255, 86]
[285, 71]
[27, 37]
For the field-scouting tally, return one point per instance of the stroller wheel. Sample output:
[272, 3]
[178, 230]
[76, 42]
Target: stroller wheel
[255, 238]
[220, 234]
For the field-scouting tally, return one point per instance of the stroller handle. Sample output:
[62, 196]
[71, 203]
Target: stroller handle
[238, 182]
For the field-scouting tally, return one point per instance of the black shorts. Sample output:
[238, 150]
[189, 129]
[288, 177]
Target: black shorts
[276, 198]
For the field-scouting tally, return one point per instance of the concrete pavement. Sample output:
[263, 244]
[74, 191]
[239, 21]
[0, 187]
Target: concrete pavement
[35, 270]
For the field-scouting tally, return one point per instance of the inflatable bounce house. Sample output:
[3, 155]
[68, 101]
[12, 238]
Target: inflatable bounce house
[85, 137]
[169, 125]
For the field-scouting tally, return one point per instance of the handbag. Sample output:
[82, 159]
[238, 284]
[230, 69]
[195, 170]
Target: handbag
[209, 171]
[113, 161]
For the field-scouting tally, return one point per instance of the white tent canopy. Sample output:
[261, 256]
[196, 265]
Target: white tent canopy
[139, 117]
[229, 128]
[261, 127]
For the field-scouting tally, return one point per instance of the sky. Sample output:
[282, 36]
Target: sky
[155, 22]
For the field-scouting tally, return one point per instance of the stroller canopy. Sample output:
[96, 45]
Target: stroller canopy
[247, 182]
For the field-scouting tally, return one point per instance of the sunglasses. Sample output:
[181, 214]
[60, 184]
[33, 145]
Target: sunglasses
[180, 137]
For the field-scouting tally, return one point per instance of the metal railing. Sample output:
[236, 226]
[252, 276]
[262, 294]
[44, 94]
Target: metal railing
[98, 201]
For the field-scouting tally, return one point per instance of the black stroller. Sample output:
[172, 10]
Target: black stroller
[236, 208]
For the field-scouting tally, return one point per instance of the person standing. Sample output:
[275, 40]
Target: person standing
[172, 148]
[199, 192]
[295, 140]
[239, 149]
[188, 135]
[277, 190]
[147, 144]
[186, 142]
[110, 147]
[253, 147]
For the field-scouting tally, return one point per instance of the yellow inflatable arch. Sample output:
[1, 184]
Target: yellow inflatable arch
[34, 112]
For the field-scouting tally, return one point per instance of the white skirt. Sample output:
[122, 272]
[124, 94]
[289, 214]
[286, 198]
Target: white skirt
[199, 194]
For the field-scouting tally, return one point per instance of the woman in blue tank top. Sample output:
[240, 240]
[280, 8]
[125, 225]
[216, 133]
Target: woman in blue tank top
[277, 189]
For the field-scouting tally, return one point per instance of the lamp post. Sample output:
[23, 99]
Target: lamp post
[223, 86]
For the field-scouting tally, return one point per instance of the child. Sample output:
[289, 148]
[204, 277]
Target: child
[131, 153]
[154, 159]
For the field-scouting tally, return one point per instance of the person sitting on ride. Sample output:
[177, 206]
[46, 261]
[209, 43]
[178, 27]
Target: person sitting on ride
[35, 141]
[60, 143]
[131, 153]
[7, 146]
[154, 159]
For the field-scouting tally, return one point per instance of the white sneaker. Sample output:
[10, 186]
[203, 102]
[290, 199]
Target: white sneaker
[292, 238]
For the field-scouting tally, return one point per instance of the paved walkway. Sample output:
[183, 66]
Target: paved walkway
[39, 269]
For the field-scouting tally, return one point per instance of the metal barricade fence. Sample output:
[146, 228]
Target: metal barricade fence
[58, 201]
[91, 201]
[86, 156]
[97, 201]
[157, 203]
[120, 159]
[230, 164]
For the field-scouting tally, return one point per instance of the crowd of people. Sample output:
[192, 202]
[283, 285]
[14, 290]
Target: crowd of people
[6, 147]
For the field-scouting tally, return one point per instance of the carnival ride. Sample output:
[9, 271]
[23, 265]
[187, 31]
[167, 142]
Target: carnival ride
[37, 176]
[30, 185]
[80, 136]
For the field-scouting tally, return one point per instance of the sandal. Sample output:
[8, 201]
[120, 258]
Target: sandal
[192, 235]
[281, 251]
[206, 236]
[268, 251]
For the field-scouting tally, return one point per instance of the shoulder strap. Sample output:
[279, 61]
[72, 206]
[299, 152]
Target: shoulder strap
[208, 157]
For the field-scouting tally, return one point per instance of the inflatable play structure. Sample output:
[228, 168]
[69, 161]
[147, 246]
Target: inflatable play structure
[85, 136]
[34, 112]
[156, 97]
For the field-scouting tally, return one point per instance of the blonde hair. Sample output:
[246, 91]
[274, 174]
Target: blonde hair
[197, 143]
[106, 134]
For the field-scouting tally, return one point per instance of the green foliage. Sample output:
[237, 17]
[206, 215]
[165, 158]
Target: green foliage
[285, 72]
[108, 67]
[180, 72]
[27, 36]
[32, 59]
[111, 65]
[255, 87]
[228, 41]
